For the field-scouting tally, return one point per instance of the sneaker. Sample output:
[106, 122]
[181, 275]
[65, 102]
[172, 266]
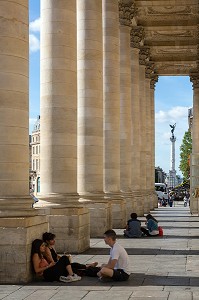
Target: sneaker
[69, 278]
[76, 277]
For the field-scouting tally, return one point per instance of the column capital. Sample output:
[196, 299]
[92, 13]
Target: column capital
[150, 67]
[194, 78]
[137, 36]
[144, 55]
[154, 80]
[127, 12]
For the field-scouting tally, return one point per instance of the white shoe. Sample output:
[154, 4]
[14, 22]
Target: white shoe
[69, 278]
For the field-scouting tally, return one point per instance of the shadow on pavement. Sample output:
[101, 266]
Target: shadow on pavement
[136, 279]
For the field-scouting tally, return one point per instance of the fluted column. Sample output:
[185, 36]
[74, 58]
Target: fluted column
[90, 97]
[194, 176]
[111, 98]
[90, 114]
[154, 79]
[58, 99]
[14, 109]
[125, 98]
[111, 95]
[136, 181]
[149, 188]
[142, 96]
[19, 224]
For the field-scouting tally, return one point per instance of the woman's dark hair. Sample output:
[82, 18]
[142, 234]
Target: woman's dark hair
[149, 216]
[47, 236]
[134, 216]
[36, 247]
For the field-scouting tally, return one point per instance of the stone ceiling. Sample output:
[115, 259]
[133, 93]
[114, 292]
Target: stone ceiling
[171, 33]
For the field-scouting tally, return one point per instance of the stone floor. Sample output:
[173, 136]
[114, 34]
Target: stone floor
[162, 267]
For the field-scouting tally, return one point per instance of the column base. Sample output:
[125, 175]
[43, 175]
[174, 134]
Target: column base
[118, 209]
[100, 213]
[147, 204]
[194, 184]
[70, 223]
[16, 236]
[16, 206]
[139, 200]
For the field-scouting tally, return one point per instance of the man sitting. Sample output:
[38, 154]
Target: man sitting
[117, 267]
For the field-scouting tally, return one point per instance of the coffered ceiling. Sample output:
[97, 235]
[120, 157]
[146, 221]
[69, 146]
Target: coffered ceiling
[171, 33]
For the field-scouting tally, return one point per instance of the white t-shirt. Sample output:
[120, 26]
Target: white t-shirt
[119, 253]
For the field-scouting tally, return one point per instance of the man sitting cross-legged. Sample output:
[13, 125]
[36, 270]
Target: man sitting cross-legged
[117, 267]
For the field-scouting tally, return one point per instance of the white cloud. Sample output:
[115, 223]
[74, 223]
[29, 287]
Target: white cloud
[35, 25]
[172, 115]
[34, 43]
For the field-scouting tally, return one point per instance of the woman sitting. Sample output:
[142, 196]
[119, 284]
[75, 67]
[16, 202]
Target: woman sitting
[51, 271]
[151, 226]
[52, 256]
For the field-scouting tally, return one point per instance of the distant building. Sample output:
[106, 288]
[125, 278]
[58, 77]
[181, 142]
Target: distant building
[35, 158]
[160, 175]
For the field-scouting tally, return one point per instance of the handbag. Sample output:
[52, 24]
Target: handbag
[160, 231]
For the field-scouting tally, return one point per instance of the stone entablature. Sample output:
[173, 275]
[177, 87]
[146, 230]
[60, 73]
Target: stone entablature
[171, 32]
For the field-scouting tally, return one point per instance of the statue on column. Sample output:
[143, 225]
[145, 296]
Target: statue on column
[172, 129]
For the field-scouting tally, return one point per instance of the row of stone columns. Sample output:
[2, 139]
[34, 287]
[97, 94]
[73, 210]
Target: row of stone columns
[113, 107]
[94, 115]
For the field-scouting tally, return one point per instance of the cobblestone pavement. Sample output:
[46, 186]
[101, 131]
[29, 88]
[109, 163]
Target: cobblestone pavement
[162, 267]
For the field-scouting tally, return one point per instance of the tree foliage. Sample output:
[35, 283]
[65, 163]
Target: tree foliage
[185, 151]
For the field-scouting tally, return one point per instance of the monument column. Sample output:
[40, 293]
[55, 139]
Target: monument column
[111, 98]
[19, 224]
[90, 113]
[137, 35]
[126, 14]
[194, 176]
[154, 80]
[59, 124]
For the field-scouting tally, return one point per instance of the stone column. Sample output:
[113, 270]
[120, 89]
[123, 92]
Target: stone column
[90, 113]
[58, 129]
[154, 80]
[136, 182]
[125, 100]
[142, 97]
[111, 97]
[58, 99]
[149, 139]
[194, 176]
[19, 224]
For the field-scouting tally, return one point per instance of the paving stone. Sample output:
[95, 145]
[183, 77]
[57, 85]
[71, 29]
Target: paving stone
[162, 268]
[181, 295]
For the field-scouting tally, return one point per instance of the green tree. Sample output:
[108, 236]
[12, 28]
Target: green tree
[185, 151]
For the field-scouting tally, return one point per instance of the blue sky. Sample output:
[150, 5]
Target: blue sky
[173, 97]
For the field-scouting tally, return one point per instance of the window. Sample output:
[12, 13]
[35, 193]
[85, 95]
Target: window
[33, 164]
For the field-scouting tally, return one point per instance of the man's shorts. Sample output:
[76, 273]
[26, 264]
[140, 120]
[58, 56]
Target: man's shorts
[120, 275]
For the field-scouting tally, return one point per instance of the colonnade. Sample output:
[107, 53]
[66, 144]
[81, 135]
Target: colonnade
[92, 153]
[97, 126]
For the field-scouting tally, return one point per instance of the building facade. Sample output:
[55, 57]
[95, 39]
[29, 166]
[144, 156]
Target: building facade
[35, 158]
